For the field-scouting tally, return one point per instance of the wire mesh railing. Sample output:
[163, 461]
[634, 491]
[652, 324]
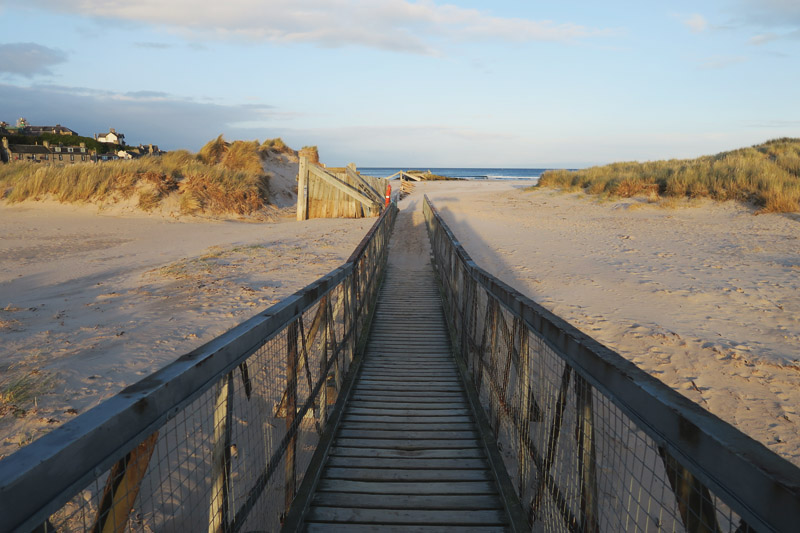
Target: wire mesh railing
[219, 440]
[591, 442]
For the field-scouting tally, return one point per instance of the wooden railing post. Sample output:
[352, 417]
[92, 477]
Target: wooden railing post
[587, 461]
[302, 189]
[323, 364]
[291, 412]
[694, 499]
[218, 513]
[122, 487]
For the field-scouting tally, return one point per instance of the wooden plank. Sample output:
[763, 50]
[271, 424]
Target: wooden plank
[407, 412]
[428, 356]
[321, 527]
[382, 487]
[396, 364]
[404, 434]
[405, 475]
[411, 177]
[417, 380]
[409, 387]
[218, 511]
[302, 195]
[415, 419]
[290, 468]
[394, 528]
[395, 516]
[402, 444]
[122, 487]
[409, 368]
[452, 453]
[471, 502]
[346, 188]
[413, 463]
[369, 189]
[378, 394]
[371, 404]
[390, 426]
[411, 371]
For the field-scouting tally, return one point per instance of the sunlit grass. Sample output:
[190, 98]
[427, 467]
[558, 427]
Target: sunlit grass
[767, 175]
[18, 393]
[222, 178]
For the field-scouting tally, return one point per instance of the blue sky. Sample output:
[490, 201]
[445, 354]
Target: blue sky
[398, 82]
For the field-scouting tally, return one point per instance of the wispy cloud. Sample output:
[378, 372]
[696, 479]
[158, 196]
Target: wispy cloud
[396, 25]
[696, 23]
[720, 62]
[776, 20]
[773, 124]
[155, 46]
[29, 59]
[771, 13]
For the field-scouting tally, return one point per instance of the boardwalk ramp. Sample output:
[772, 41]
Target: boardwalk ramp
[407, 454]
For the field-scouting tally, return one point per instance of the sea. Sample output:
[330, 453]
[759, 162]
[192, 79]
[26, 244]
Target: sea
[463, 173]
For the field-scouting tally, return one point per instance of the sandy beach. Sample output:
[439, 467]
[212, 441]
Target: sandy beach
[704, 296]
[91, 302]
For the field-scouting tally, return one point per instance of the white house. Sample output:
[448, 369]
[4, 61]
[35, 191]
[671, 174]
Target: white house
[112, 137]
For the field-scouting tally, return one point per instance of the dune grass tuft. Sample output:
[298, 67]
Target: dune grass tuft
[18, 393]
[767, 175]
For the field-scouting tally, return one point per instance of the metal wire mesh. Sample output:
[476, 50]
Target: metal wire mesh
[583, 452]
[228, 457]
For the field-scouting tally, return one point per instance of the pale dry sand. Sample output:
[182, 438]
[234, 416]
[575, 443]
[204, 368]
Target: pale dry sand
[705, 297]
[92, 302]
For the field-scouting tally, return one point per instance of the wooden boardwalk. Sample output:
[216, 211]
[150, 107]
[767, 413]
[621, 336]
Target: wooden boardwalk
[407, 455]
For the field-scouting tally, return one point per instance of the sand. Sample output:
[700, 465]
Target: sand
[91, 302]
[704, 296]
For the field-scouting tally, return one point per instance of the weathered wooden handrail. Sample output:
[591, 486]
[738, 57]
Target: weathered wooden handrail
[662, 460]
[204, 429]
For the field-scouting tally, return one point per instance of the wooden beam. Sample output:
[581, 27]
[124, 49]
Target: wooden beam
[410, 176]
[122, 487]
[302, 185]
[290, 469]
[339, 184]
[353, 175]
[219, 512]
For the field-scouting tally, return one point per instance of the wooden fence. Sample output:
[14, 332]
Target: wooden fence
[337, 192]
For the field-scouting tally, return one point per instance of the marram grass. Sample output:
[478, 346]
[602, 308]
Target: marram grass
[223, 178]
[767, 175]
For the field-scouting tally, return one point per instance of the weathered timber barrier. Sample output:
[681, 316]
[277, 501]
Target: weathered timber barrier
[337, 192]
[217, 441]
[592, 442]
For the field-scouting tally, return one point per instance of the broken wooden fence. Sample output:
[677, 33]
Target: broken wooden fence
[594, 442]
[217, 441]
[337, 192]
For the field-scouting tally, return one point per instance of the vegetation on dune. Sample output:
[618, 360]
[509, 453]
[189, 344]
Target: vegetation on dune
[19, 393]
[767, 174]
[223, 178]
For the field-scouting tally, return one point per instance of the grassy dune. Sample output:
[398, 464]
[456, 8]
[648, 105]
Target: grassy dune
[767, 175]
[223, 178]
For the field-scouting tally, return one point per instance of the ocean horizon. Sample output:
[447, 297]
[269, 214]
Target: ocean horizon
[471, 173]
